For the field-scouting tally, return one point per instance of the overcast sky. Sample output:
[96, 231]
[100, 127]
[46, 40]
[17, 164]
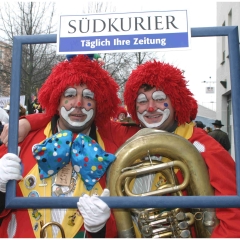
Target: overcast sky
[199, 62]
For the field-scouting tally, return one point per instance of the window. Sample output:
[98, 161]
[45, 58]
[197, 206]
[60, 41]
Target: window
[210, 90]
[230, 18]
[223, 47]
[223, 57]
[229, 117]
[229, 23]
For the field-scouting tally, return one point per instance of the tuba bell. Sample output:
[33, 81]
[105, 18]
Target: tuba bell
[182, 155]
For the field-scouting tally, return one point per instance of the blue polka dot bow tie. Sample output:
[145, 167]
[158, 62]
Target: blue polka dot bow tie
[87, 157]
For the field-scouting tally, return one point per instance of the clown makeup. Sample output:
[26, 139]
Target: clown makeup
[154, 109]
[121, 116]
[77, 108]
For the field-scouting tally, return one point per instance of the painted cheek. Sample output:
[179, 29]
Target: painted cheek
[137, 108]
[68, 105]
[87, 105]
[165, 104]
[141, 109]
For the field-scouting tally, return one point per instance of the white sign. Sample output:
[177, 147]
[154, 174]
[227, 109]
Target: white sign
[6, 100]
[118, 32]
[210, 90]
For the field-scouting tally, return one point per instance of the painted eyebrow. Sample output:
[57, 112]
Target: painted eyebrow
[70, 91]
[88, 92]
[159, 93]
[141, 96]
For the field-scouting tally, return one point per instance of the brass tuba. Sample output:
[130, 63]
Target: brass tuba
[184, 156]
[44, 226]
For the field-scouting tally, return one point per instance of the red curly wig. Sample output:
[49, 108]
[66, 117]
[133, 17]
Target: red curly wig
[81, 70]
[168, 79]
[194, 111]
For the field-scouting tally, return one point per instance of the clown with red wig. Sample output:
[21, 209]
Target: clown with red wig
[79, 98]
[157, 96]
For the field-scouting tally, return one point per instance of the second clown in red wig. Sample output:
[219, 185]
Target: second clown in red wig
[166, 78]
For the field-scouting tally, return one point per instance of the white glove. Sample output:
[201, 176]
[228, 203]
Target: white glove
[10, 169]
[95, 212]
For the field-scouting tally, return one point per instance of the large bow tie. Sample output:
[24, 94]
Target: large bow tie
[87, 157]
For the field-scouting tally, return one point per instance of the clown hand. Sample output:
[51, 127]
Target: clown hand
[10, 169]
[95, 212]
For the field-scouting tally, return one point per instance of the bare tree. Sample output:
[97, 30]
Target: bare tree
[5, 68]
[29, 18]
[120, 64]
[99, 7]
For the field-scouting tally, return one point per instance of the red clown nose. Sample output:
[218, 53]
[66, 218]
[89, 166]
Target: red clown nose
[150, 109]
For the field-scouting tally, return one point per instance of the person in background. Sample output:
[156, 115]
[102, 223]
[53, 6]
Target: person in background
[79, 98]
[157, 96]
[34, 106]
[7, 108]
[200, 124]
[208, 129]
[22, 110]
[121, 114]
[4, 119]
[1, 129]
[219, 135]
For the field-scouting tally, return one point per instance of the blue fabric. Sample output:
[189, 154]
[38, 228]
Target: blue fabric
[70, 56]
[1, 127]
[87, 157]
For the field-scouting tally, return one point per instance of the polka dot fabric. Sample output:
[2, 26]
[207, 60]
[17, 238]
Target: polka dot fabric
[53, 154]
[90, 160]
[87, 157]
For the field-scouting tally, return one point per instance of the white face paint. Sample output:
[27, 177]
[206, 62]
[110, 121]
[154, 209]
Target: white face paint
[159, 96]
[165, 114]
[87, 93]
[65, 115]
[77, 108]
[154, 109]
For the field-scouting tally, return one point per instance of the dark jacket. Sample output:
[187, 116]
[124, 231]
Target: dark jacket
[1, 129]
[221, 137]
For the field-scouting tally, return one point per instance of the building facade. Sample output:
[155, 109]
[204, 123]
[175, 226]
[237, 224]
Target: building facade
[206, 116]
[228, 14]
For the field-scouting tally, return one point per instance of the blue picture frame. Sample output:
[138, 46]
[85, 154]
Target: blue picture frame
[14, 202]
